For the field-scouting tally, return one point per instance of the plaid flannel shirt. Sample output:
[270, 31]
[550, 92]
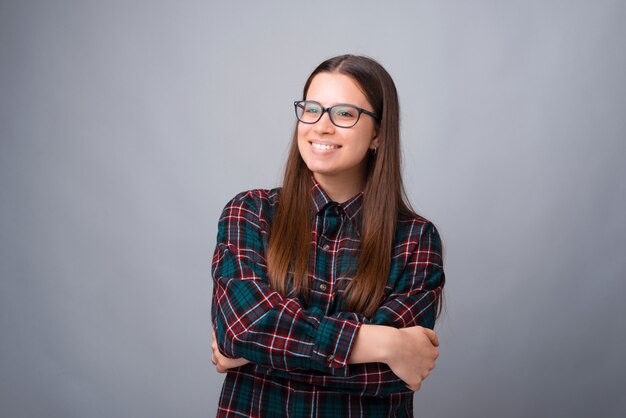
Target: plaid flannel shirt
[299, 349]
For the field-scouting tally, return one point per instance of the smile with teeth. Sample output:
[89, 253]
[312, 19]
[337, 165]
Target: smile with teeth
[324, 146]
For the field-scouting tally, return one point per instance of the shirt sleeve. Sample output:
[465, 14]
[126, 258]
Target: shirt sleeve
[411, 300]
[255, 322]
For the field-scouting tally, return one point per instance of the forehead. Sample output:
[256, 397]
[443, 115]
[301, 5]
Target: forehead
[332, 88]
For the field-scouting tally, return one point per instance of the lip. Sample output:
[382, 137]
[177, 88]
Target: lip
[323, 148]
[324, 143]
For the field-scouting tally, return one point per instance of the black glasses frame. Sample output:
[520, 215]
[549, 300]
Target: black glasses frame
[299, 103]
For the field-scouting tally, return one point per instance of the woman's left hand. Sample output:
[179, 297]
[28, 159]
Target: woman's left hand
[223, 363]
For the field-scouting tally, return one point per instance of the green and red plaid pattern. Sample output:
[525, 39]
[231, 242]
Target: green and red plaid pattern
[299, 349]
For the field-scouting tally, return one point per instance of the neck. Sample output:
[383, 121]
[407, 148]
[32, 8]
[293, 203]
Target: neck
[339, 189]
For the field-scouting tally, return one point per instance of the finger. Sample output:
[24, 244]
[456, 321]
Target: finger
[432, 336]
[415, 387]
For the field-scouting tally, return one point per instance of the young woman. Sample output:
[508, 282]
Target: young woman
[326, 290]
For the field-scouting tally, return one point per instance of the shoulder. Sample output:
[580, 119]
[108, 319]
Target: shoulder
[255, 205]
[255, 198]
[414, 227]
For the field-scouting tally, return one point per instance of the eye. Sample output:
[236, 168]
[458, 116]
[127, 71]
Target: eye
[312, 108]
[345, 112]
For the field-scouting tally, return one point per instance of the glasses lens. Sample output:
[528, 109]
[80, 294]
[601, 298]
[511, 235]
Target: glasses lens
[344, 115]
[308, 112]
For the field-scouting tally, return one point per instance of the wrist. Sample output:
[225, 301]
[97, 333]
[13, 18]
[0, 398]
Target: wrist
[374, 344]
[387, 344]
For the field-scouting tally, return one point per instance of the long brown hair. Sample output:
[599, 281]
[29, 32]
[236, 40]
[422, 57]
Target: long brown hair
[383, 197]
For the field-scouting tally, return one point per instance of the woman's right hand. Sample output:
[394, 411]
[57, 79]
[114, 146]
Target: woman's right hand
[221, 362]
[412, 354]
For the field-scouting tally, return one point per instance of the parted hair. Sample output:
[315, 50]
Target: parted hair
[384, 197]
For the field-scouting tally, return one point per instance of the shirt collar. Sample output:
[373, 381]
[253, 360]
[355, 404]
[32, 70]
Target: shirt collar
[351, 207]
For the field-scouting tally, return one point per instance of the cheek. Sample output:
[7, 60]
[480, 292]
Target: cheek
[301, 141]
[300, 132]
[363, 139]
[303, 132]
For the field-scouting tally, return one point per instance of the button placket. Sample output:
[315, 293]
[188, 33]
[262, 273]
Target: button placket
[329, 230]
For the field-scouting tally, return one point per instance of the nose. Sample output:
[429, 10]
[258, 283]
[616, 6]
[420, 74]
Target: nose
[324, 125]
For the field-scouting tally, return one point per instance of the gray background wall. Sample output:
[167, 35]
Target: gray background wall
[124, 131]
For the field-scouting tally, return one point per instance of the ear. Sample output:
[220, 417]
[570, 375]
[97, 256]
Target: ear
[375, 142]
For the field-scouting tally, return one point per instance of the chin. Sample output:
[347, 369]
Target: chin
[320, 170]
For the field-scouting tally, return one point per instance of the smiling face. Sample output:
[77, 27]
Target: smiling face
[337, 156]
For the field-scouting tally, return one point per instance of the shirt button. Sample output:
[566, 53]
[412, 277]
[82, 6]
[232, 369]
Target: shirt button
[330, 358]
[323, 286]
[326, 247]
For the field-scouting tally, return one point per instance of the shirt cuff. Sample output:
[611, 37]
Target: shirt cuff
[333, 344]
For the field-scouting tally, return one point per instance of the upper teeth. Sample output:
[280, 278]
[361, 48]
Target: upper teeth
[323, 146]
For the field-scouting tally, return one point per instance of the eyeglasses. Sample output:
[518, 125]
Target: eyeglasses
[341, 115]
